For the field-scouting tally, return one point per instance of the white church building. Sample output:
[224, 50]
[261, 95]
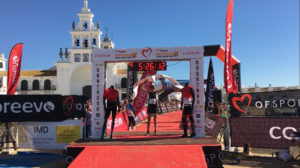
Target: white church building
[72, 73]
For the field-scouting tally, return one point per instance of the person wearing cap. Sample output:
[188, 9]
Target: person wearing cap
[110, 103]
[187, 104]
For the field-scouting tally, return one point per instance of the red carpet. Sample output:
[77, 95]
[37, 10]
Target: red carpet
[168, 122]
[152, 156]
[134, 150]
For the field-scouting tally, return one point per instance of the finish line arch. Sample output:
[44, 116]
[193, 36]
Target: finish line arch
[195, 54]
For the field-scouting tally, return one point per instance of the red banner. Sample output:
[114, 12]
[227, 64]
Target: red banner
[229, 81]
[141, 97]
[14, 66]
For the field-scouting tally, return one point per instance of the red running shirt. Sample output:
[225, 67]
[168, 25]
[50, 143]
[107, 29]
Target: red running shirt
[111, 94]
[186, 92]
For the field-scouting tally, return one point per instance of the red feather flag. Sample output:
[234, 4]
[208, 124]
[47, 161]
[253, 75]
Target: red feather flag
[14, 66]
[229, 81]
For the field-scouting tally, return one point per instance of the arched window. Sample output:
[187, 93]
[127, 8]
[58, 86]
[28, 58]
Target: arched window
[124, 83]
[47, 84]
[85, 26]
[24, 85]
[94, 42]
[35, 85]
[77, 43]
[85, 43]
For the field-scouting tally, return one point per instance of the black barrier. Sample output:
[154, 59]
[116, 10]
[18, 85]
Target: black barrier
[213, 156]
[274, 103]
[74, 106]
[15, 108]
[264, 132]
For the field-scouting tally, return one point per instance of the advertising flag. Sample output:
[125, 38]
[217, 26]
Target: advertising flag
[141, 97]
[229, 81]
[14, 66]
[210, 87]
[131, 79]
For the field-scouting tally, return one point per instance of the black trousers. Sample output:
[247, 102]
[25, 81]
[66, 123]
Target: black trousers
[111, 108]
[187, 113]
[131, 121]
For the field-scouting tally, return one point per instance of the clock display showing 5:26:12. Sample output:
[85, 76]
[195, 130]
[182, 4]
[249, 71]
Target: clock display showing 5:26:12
[150, 66]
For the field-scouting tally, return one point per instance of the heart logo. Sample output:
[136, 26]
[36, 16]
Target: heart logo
[241, 99]
[67, 105]
[147, 52]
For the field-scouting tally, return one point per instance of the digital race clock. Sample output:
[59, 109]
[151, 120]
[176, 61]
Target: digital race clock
[149, 66]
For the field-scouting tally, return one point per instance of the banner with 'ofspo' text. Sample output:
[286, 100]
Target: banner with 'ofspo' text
[276, 103]
[15, 108]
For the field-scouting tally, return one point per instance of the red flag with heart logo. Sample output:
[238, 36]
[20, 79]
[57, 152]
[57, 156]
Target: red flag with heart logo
[229, 81]
[14, 66]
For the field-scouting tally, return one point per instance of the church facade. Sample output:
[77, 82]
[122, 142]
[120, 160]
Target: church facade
[71, 74]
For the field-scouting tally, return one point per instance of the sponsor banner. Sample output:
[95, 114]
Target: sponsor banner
[48, 135]
[197, 84]
[264, 132]
[229, 81]
[74, 106]
[132, 54]
[274, 103]
[132, 77]
[31, 108]
[14, 66]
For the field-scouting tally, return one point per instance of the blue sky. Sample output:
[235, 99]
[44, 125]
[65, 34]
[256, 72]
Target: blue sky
[265, 35]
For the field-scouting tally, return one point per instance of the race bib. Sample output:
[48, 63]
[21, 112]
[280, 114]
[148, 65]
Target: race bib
[187, 101]
[152, 101]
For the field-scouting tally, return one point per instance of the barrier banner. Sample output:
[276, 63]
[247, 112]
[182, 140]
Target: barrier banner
[264, 132]
[121, 120]
[274, 103]
[74, 106]
[48, 135]
[31, 108]
[213, 125]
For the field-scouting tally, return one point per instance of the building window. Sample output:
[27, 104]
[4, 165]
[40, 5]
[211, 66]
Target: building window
[47, 84]
[85, 43]
[1, 64]
[94, 42]
[24, 85]
[124, 83]
[77, 57]
[35, 85]
[85, 26]
[85, 57]
[77, 43]
[105, 47]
